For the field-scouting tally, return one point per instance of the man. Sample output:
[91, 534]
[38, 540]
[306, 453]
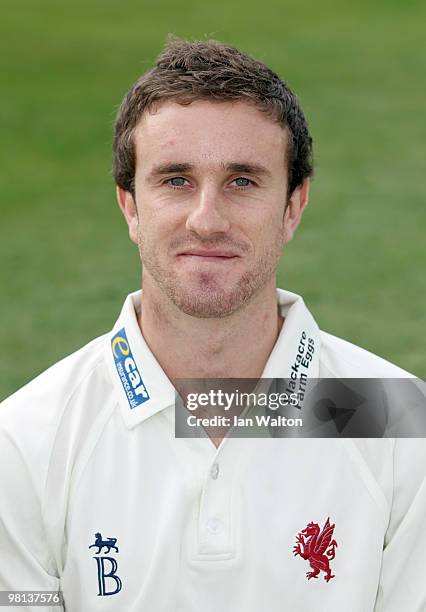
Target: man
[212, 160]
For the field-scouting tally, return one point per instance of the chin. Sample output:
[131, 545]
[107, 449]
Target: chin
[209, 303]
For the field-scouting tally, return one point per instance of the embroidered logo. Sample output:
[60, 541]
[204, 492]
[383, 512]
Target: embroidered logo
[127, 370]
[106, 566]
[317, 547]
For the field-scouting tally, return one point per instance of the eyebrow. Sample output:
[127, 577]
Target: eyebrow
[248, 168]
[244, 167]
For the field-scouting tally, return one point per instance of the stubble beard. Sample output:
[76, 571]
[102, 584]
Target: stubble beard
[204, 297]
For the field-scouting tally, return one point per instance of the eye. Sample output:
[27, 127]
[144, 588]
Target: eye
[242, 182]
[177, 182]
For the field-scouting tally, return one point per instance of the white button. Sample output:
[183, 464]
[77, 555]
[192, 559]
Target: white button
[214, 471]
[214, 526]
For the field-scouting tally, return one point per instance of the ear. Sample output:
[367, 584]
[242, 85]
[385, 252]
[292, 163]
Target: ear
[294, 209]
[127, 204]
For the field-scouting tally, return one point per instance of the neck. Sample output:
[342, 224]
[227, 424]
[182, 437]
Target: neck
[236, 346]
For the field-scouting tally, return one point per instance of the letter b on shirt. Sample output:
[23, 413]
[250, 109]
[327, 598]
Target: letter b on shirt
[108, 581]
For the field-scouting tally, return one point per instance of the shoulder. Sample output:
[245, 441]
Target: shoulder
[57, 383]
[30, 418]
[341, 358]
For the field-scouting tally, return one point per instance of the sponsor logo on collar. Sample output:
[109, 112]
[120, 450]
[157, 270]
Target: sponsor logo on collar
[298, 378]
[127, 370]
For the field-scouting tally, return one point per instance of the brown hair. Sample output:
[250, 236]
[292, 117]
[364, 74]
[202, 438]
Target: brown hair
[188, 71]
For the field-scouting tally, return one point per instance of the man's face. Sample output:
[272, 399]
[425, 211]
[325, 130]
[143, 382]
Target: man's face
[210, 191]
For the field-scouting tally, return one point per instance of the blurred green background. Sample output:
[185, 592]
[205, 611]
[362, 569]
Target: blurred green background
[66, 261]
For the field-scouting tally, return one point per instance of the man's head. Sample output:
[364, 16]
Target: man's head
[209, 70]
[212, 159]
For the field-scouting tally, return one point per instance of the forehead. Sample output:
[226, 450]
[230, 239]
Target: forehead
[207, 132]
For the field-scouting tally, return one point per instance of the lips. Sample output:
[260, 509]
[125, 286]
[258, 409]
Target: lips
[217, 253]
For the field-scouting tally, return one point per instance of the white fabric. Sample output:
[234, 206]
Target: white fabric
[199, 528]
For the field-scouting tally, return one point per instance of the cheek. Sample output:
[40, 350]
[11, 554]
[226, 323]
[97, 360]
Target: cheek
[158, 217]
[147, 225]
[154, 232]
[270, 229]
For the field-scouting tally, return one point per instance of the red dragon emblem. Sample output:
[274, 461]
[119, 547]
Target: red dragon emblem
[317, 547]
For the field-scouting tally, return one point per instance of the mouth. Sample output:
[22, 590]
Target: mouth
[203, 255]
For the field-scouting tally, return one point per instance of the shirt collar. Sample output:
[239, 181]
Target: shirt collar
[291, 355]
[140, 383]
[142, 386]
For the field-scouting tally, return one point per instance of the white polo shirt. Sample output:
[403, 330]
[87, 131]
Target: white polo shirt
[100, 500]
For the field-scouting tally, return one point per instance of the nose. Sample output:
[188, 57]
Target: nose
[208, 215]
